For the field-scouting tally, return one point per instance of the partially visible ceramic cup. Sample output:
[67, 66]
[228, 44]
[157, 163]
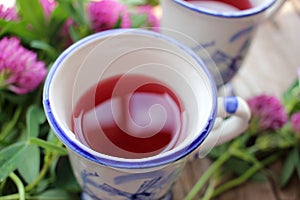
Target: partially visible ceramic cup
[225, 32]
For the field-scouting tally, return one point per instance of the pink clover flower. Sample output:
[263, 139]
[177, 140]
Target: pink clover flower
[20, 70]
[268, 112]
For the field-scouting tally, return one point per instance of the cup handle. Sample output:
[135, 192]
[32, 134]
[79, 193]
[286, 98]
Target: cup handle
[232, 119]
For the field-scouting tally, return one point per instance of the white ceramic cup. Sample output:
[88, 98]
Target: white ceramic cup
[226, 35]
[130, 51]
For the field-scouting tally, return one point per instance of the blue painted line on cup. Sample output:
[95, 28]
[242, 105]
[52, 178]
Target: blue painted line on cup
[231, 104]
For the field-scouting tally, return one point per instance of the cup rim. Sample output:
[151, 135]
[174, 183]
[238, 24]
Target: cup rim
[227, 14]
[153, 161]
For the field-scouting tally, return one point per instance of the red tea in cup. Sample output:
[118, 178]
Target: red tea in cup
[222, 5]
[128, 116]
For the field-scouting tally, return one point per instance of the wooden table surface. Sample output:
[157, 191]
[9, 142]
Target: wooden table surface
[270, 67]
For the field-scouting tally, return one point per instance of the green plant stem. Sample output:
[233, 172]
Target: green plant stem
[19, 185]
[2, 184]
[210, 189]
[46, 145]
[10, 197]
[7, 129]
[210, 171]
[42, 173]
[243, 178]
[244, 155]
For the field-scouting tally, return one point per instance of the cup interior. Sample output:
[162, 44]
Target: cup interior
[127, 51]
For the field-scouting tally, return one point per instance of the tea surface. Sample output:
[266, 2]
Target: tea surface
[130, 116]
[222, 5]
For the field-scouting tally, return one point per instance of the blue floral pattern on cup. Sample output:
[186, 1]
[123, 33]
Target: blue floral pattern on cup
[228, 64]
[146, 191]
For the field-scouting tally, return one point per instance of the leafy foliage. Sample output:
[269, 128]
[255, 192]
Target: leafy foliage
[33, 162]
